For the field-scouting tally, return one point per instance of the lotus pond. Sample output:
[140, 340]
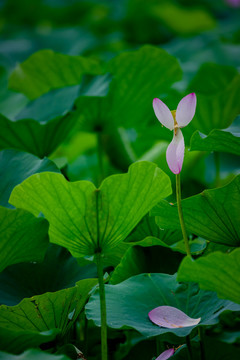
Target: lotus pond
[119, 180]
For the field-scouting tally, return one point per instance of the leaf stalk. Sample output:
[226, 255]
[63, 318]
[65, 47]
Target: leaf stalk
[104, 349]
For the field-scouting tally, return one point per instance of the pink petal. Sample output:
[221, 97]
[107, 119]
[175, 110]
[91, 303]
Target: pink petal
[163, 114]
[171, 318]
[186, 110]
[234, 3]
[165, 355]
[175, 153]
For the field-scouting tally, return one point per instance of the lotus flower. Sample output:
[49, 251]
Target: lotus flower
[165, 355]
[174, 120]
[170, 317]
[233, 3]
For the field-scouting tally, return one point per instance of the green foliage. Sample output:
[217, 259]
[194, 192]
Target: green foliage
[33, 353]
[77, 81]
[217, 88]
[17, 166]
[129, 303]
[47, 70]
[40, 319]
[42, 125]
[128, 103]
[217, 272]
[59, 270]
[213, 350]
[30, 136]
[146, 258]
[217, 140]
[212, 214]
[93, 220]
[17, 227]
[130, 94]
[182, 20]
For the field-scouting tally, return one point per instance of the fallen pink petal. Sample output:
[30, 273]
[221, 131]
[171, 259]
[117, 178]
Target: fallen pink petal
[170, 317]
[166, 354]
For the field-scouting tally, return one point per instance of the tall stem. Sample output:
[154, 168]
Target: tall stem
[159, 345]
[217, 166]
[100, 158]
[180, 214]
[102, 306]
[201, 338]
[188, 342]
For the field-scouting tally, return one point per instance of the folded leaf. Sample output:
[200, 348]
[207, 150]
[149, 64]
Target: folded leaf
[39, 319]
[23, 237]
[217, 140]
[42, 125]
[59, 270]
[16, 166]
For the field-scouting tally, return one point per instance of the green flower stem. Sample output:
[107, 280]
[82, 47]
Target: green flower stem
[217, 166]
[159, 345]
[188, 343]
[85, 343]
[104, 349]
[100, 158]
[180, 214]
[201, 338]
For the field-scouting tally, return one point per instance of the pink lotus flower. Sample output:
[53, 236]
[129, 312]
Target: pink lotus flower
[233, 3]
[174, 120]
[165, 355]
[171, 318]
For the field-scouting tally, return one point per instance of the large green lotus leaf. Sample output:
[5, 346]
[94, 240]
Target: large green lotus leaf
[31, 322]
[217, 272]
[17, 166]
[217, 140]
[85, 219]
[22, 237]
[43, 124]
[138, 77]
[129, 303]
[40, 139]
[47, 107]
[59, 270]
[217, 88]
[47, 70]
[32, 354]
[212, 214]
